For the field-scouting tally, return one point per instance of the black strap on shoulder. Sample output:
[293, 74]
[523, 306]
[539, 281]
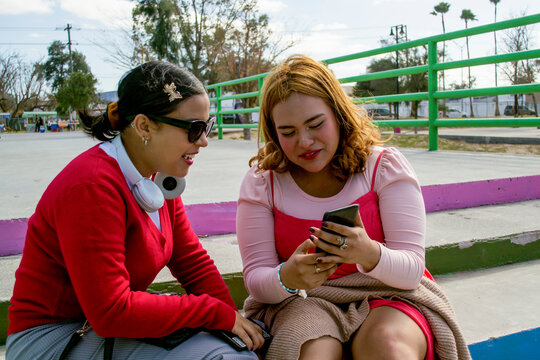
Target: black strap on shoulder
[108, 348]
[74, 340]
[77, 336]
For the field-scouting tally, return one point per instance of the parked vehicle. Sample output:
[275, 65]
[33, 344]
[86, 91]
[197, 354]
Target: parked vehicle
[455, 113]
[522, 110]
[380, 113]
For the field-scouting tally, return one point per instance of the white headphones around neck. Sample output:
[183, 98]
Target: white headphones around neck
[150, 195]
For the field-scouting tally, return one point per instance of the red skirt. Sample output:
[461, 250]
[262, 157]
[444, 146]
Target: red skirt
[414, 314]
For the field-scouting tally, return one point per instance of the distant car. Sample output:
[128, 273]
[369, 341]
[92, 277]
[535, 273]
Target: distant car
[455, 113]
[379, 113]
[522, 110]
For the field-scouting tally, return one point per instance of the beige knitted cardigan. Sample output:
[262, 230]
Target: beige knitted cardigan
[296, 320]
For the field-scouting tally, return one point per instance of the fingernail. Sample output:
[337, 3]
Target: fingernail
[319, 260]
[324, 223]
[311, 229]
[311, 237]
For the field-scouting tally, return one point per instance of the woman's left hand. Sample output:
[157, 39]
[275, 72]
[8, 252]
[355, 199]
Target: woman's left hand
[352, 247]
[248, 331]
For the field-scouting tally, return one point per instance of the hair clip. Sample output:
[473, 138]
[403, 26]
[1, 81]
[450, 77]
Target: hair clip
[172, 92]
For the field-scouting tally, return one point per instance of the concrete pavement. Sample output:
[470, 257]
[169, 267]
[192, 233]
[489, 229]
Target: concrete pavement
[488, 303]
[493, 135]
[29, 161]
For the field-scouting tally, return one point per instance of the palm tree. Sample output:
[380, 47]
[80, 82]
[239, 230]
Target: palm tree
[442, 8]
[497, 112]
[467, 15]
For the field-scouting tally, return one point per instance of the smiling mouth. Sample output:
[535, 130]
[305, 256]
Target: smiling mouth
[309, 154]
[188, 157]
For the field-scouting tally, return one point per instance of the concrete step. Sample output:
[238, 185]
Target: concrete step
[489, 303]
[458, 228]
[459, 238]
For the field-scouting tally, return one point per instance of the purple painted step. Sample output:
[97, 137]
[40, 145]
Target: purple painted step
[220, 218]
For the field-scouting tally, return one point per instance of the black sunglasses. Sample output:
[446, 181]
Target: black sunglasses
[195, 128]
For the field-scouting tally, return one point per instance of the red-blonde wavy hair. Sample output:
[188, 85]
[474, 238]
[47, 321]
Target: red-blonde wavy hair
[301, 74]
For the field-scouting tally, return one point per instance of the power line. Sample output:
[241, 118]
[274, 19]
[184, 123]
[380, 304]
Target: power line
[18, 44]
[46, 28]
[58, 28]
[48, 43]
[14, 28]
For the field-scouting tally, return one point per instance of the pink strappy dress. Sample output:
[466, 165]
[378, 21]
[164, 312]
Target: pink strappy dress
[290, 232]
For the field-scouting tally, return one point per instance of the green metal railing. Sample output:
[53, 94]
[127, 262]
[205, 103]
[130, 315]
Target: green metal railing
[432, 95]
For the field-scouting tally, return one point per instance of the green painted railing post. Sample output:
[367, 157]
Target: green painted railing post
[218, 110]
[260, 81]
[432, 101]
[433, 95]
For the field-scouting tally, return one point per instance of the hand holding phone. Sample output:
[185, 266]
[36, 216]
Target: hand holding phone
[343, 216]
[237, 343]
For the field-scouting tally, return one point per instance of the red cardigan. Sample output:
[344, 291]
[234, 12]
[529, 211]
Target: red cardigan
[91, 252]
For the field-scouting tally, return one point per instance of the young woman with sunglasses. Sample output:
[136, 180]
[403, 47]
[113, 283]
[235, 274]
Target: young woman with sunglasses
[102, 232]
[367, 287]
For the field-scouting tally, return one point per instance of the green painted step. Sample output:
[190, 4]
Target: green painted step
[444, 259]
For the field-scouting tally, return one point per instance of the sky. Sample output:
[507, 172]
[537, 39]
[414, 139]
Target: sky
[321, 29]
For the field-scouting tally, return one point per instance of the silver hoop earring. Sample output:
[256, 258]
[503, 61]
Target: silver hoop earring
[145, 141]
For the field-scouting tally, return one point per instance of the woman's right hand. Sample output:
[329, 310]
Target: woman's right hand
[248, 331]
[302, 271]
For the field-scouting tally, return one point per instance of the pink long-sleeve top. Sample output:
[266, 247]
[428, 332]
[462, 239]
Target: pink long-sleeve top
[401, 206]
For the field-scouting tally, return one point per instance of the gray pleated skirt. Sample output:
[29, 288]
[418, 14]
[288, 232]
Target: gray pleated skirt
[48, 341]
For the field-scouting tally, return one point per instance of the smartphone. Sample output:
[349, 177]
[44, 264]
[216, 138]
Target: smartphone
[237, 343]
[344, 216]
[232, 339]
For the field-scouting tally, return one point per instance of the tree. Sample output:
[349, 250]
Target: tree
[380, 86]
[57, 68]
[467, 15]
[67, 80]
[218, 40]
[125, 52]
[248, 51]
[8, 76]
[156, 17]
[201, 27]
[497, 112]
[522, 71]
[77, 92]
[21, 84]
[416, 82]
[442, 8]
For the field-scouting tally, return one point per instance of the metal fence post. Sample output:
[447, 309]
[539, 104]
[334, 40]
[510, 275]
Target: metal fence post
[432, 102]
[218, 110]
[260, 82]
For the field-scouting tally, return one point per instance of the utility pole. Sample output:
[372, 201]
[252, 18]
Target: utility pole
[68, 29]
[400, 34]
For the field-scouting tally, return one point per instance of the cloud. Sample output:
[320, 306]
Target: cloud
[321, 45]
[111, 13]
[13, 7]
[383, 2]
[271, 6]
[333, 26]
